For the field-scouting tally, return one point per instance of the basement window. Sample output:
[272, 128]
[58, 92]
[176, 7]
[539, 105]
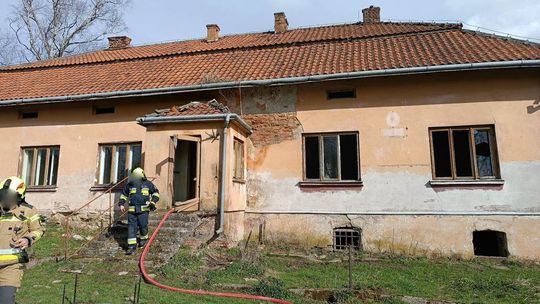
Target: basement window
[341, 94]
[331, 157]
[346, 237]
[464, 153]
[104, 110]
[490, 243]
[28, 115]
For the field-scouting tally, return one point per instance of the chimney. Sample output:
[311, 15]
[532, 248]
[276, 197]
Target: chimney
[119, 42]
[372, 14]
[212, 32]
[280, 22]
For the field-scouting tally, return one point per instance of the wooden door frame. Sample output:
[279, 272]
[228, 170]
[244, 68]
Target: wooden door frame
[174, 145]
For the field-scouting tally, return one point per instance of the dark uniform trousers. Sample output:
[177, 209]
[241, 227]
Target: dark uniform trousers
[137, 222]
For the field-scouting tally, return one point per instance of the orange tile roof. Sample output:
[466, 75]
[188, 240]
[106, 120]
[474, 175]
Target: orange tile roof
[260, 56]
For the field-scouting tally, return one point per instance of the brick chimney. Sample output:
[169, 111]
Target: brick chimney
[119, 42]
[372, 14]
[280, 22]
[212, 32]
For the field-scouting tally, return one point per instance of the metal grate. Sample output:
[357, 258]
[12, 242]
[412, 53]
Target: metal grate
[345, 237]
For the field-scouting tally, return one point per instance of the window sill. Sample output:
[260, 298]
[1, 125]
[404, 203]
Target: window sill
[41, 189]
[239, 181]
[330, 184]
[477, 182]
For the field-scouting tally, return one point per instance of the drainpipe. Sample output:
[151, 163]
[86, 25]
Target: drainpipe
[223, 159]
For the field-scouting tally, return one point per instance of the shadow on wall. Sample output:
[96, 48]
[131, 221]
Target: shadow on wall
[534, 107]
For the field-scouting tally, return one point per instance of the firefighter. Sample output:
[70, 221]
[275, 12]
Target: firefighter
[20, 226]
[141, 196]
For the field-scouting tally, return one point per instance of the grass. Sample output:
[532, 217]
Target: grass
[474, 281]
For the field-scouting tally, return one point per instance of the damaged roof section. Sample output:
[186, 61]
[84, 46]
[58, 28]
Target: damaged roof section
[195, 111]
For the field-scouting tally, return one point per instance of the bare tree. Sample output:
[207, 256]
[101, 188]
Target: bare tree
[46, 29]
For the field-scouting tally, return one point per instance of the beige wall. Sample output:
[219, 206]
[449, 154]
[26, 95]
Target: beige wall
[396, 170]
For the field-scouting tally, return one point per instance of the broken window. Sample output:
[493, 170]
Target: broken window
[116, 160]
[490, 243]
[347, 237]
[464, 153]
[238, 170]
[40, 166]
[330, 157]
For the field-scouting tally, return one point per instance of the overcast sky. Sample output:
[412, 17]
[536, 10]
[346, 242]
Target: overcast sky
[152, 21]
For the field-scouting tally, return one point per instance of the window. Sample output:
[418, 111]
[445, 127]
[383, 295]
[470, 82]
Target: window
[331, 157]
[28, 115]
[347, 237]
[464, 153]
[104, 110]
[238, 170]
[39, 166]
[490, 243]
[341, 94]
[115, 161]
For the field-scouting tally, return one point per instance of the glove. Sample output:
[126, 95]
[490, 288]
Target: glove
[152, 206]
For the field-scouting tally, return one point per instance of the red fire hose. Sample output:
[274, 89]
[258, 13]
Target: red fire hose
[190, 291]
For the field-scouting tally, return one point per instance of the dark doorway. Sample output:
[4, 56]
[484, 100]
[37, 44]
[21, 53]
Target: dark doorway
[185, 170]
[490, 243]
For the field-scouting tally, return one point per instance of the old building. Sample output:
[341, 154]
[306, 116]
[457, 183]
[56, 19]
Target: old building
[417, 138]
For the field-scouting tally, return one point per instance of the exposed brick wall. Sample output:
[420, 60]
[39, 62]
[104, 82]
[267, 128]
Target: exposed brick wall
[273, 128]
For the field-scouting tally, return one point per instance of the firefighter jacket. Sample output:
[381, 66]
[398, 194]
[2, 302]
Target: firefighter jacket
[141, 197]
[20, 222]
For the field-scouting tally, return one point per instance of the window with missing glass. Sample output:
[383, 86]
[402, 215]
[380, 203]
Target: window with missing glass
[116, 160]
[464, 153]
[331, 157]
[39, 166]
[238, 170]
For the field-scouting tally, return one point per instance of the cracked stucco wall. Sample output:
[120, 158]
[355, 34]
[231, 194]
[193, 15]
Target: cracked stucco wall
[392, 117]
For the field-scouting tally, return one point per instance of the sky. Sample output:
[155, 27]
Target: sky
[152, 21]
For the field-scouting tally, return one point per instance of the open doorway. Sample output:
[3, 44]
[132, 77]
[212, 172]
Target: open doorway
[186, 168]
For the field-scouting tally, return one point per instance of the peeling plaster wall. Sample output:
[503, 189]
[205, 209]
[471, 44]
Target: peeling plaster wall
[392, 116]
[411, 235]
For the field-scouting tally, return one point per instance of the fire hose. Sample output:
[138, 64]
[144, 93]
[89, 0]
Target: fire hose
[154, 282]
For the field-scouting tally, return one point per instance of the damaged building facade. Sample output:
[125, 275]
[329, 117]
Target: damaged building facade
[414, 138]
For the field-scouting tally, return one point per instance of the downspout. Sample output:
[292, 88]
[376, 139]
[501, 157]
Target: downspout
[223, 162]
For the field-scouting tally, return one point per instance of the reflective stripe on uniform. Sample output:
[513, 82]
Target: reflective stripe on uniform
[9, 218]
[145, 191]
[144, 237]
[132, 241]
[9, 257]
[145, 208]
[155, 194]
[131, 209]
[132, 190]
[123, 197]
[10, 251]
[35, 217]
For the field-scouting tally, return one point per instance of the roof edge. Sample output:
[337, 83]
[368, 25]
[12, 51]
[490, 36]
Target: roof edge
[152, 120]
[279, 81]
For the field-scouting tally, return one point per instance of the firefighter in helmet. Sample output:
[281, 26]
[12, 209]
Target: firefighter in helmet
[20, 227]
[138, 198]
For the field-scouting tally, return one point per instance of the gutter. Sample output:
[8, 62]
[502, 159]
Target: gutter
[149, 120]
[223, 176]
[281, 81]
[404, 213]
